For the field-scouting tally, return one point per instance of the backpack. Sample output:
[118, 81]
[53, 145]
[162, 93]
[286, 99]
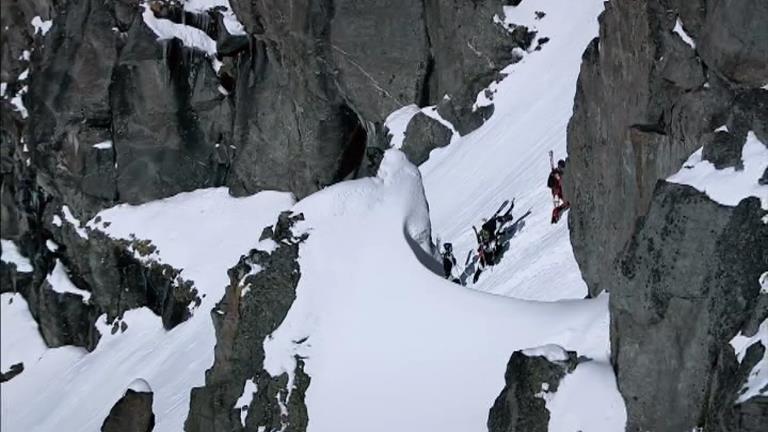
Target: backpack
[552, 179]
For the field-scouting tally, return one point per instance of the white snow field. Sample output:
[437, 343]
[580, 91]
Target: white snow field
[507, 158]
[391, 346]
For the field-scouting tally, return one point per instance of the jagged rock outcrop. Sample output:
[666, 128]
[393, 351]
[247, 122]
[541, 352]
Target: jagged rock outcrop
[646, 99]
[12, 372]
[261, 290]
[686, 285]
[97, 110]
[132, 413]
[664, 78]
[530, 377]
[422, 135]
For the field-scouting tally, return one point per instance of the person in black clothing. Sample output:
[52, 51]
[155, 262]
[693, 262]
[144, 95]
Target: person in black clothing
[449, 261]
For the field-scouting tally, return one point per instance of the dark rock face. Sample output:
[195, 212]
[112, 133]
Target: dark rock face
[645, 101]
[520, 407]
[12, 371]
[734, 40]
[466, 55]
[255, 304]
[722, 149]
[682, 270]
[422, 135]
[132, 413]
[684, 288]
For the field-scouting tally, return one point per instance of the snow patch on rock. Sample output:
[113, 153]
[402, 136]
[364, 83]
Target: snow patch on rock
[75, 222]
[104, 145]
[10, 254]
[728, 186]
[552, 352]
[397, 123]
[683, 35]
[41, 26]
[60, 282]
[244, 401]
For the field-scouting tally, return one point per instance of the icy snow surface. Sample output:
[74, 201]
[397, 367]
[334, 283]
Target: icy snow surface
[10, 254]
[202, 232]
[728, 186]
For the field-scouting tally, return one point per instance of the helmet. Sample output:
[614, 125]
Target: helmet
[561, 164]
[448, 247]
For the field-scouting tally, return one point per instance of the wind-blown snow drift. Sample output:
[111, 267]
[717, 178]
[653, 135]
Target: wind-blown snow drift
[389, 344]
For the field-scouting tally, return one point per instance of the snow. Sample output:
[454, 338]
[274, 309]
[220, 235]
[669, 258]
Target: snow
[764, 283]
[728, 186]
[551, 352]
[104, 145]
[507, 158]
[10, 254]
[244, 401]
[722, 128]
[18, 102]
[75, 222]
[683, 35]
[580, 405]
[3, 87]
[56, 220]
[24, 75]
[140, 385]
[376, 307]
[19, 337]
[397, 123]
[189, 36]
[41, 26]
[757, 380]
[51, 245]
[202, 232]
[61, 283]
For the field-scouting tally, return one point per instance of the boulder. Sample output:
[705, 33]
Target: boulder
[132, 413]
[423, 135]
[530, 376]
[683, 288]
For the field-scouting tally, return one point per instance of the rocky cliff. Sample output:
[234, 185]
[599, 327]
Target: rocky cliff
[129, 101]
[663, 79]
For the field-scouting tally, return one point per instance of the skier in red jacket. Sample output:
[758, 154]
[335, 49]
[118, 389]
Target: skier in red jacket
[555, 184]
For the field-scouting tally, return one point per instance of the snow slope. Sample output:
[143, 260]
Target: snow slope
[392, 346]
[507, 158]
